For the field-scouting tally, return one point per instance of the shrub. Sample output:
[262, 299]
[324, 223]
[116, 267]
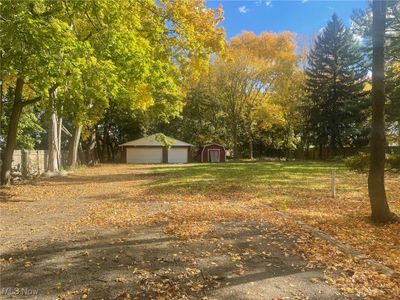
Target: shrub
[393, 162]
[360, 162]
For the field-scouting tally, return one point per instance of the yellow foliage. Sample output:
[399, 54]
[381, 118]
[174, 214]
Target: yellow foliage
[261, 77]
[270, 114]
[144, 97]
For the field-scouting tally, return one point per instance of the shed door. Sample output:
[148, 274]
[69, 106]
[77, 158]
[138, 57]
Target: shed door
[178, 155]
[214, 155]
[144, 155]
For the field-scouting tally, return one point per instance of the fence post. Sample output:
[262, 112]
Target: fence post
[23, 164]
[333, 184]
[38, 163]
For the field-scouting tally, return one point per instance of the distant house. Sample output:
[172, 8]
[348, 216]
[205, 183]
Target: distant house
[213, 153]
[149, 150]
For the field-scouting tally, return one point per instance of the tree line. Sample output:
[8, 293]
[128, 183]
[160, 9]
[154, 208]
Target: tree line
[77, 67]
[89, 75]
[265, 95]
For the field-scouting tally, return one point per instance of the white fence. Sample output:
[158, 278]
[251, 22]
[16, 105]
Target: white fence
[31, 163]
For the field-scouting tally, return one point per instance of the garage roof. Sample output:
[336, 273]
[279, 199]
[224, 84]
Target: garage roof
[151, 141]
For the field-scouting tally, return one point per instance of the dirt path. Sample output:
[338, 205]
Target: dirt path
[44, 250]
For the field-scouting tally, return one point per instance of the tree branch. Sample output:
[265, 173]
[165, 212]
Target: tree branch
[31, 101]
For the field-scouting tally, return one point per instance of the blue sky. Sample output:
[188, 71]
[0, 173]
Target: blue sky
[305, 17]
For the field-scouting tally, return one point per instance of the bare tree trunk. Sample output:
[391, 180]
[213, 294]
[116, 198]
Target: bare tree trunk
[106, 156]
[1, 90]
[74, 146]
[251, 155]
[59, 128]
[235, 141]
[91, 150]
[53, 165]
[98, 148]
[376, 179]
[12, 133]
[54, 138]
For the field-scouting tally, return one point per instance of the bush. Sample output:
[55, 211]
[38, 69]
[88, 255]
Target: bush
[393, 162]
[360, 162]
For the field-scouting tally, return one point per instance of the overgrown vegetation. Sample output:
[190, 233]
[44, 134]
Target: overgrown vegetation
[360, 162]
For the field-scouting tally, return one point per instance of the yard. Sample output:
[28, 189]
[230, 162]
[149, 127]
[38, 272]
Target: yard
[198, 230]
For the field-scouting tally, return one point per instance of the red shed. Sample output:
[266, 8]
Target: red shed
[213, 153]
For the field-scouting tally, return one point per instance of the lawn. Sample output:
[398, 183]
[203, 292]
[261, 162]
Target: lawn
[199, 194]
[301, 189]
[199, 203]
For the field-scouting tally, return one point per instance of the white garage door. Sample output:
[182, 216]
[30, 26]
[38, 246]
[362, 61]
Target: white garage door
[178, 155]
[144, 155]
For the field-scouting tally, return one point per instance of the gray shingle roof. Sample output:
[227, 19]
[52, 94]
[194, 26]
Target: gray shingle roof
[151, 141]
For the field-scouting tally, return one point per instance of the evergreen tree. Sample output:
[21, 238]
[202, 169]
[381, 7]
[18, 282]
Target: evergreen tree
[362, 27]
[336, 77]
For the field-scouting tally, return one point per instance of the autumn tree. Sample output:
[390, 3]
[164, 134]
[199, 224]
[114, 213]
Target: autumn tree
[77, 59]
[250, 88]
[180, 37]
[251, 80]
[38, 51]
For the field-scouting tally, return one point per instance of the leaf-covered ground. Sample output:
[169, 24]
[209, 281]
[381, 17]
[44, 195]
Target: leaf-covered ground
[93, 223]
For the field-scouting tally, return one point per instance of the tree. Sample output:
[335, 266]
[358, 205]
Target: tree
[37, 50]
[251, 80]
[202, 120]
[393, 103]
[336, 77]
[29, 129]
[179, 42]
[376, 177]
[79, 58]
[362, 27]
[250, 87]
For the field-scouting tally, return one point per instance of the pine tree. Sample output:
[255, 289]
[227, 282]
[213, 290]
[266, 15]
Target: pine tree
[336, 78]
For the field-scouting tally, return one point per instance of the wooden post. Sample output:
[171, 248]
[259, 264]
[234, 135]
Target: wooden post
[333, 184]
[38, 162]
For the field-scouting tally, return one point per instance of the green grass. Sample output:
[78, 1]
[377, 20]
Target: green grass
[255, 176]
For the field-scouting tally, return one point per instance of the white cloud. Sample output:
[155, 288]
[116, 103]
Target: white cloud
[304, 1]
[243, 9]
[268, 3]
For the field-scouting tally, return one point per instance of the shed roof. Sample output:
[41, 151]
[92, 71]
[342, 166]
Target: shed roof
[151, 141]
[213, 144]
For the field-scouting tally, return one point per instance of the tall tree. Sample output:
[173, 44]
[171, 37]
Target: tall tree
[251, 81]
[38, 49]
[77, 58]
[376, 178]
[362, 27]
[336, 76]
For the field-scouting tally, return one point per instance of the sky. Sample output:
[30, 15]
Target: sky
[305, 17]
